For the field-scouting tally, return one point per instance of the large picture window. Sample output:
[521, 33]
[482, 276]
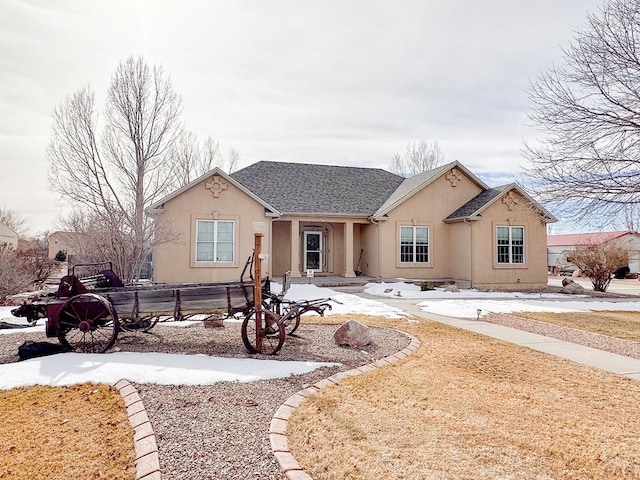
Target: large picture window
[510, 244]
[215, 240]
[414, 244]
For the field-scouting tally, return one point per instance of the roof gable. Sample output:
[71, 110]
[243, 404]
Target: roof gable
[7, 230]
[157, 206]
[412, 185]
[299, 188]
[474, 207]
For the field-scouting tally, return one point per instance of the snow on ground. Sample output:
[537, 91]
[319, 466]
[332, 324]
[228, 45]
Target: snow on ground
[345, 302]
[70, 368]
[161, 368]
[472, 303]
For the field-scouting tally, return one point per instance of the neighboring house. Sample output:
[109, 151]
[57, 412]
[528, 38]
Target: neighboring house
[445, 224]
[70, 243]
[8, 236]
[559, 247]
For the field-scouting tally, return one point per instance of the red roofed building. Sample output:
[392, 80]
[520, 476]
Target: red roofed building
[559, 246]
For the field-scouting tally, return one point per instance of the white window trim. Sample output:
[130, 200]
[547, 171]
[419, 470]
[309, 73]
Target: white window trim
[510, 245]
[414, 262]
[215, 242]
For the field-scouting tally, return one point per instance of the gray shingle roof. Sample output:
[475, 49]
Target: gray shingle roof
[478, 202]
[328, 189]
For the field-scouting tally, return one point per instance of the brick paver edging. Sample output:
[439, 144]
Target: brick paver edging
[144, 440]
[278, 427]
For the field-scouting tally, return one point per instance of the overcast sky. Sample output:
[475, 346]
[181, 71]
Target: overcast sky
[334, 82]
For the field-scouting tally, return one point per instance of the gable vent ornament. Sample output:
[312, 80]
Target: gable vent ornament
[216, 185]
[510, 200]
[454, 176]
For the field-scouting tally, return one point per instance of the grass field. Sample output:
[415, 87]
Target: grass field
[468, 407]
[78, 432]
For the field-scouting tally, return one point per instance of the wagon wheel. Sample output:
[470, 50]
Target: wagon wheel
[291, 323]
[282, 308]
[144, 324]
[273, 332]
[88, 323]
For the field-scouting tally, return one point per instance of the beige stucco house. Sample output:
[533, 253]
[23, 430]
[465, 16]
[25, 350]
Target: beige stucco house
[8, 236]
[444, 224]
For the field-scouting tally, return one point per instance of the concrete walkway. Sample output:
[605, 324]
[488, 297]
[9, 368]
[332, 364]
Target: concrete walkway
[593, 357]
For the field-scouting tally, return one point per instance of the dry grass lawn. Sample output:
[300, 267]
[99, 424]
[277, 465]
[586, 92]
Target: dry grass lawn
[78, 432]
[465, 406]
[462, 406]
[614, 324]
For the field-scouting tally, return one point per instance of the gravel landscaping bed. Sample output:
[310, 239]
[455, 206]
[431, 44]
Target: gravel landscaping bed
[221, 431]
[619, 346]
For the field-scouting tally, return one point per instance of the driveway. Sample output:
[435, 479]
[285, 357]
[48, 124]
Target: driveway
[625, 287]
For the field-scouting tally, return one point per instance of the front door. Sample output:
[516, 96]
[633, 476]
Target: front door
[313, 251]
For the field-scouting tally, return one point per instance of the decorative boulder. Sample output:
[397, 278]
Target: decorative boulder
[451, 288]
[571, 287]
[352, 334]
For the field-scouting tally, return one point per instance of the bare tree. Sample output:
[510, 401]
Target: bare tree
[115, 173]
[36, 259]
[588, 109]
[599, 261]
[12, 220]
[195, 159]
[14, 276]
[232, 160]
[20, 270]
[419, 157]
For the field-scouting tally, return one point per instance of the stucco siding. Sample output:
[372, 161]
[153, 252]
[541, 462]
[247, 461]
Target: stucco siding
[426, 208]
[369, 243]
[487, 271]
[460, 248]
[281, 251]
[174, 257]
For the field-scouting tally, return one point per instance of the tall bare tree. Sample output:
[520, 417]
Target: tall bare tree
[117, 171]
[419, 157]
[194, 159]
[588, 109]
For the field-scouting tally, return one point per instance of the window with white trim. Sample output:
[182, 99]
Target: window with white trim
[215, 240]
[510, 242]
[414, 244]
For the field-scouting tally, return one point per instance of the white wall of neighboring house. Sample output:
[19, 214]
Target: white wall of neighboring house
[8, 236]
[557, 254]
[632, 243]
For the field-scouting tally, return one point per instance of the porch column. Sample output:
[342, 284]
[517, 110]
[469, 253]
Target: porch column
[295, 248]
[348, 250]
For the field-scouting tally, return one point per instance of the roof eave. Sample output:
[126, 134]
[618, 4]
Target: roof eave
[471, 218]
[445, 168]
[158, 206]
[547, 217]
[324, 214]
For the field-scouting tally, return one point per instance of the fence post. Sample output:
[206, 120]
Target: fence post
[257, 289]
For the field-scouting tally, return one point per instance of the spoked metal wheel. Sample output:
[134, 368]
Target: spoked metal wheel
[291, 323]
[144, 324]
[88, 323]
[272, 333]
[281, 309]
